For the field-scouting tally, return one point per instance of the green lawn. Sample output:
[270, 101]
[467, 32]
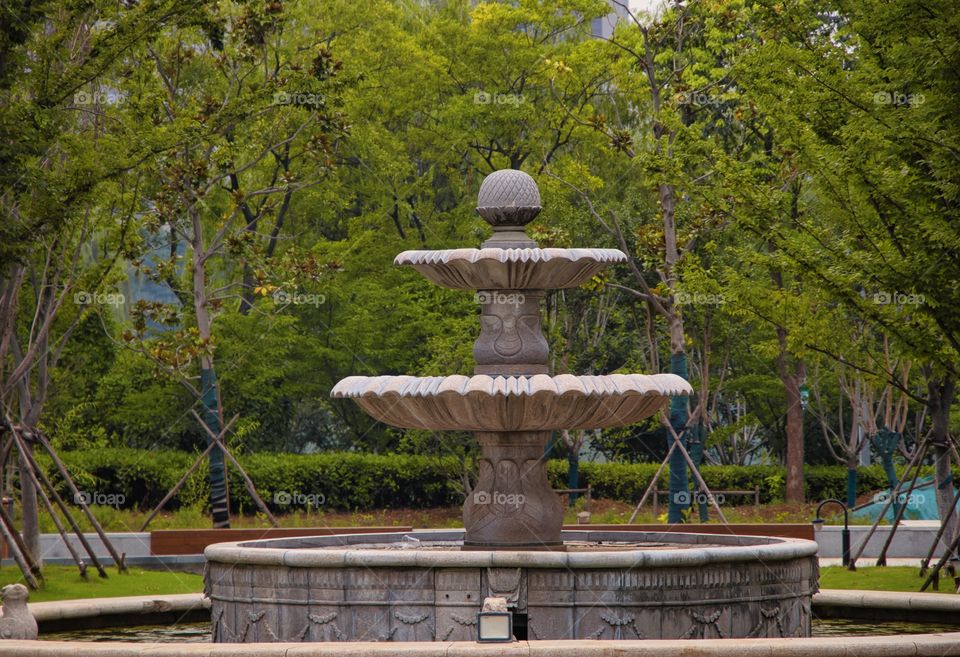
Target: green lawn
[890, 578]
[65, 583]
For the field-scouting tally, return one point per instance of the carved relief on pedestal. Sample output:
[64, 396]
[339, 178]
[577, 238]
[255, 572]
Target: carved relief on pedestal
[770, 625]
[322, 626]
[512, 503]
[511, 341]
[458, 627]
[412, 625]
[617, 628]
[706, 625]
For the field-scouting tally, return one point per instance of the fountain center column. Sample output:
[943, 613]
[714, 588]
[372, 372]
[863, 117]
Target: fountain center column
[512, 506]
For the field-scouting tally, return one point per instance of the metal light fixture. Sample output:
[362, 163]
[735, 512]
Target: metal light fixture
[844, 535]
[494, 627]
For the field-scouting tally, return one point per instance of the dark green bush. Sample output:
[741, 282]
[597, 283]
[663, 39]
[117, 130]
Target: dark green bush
[346, 481]
[355, 481]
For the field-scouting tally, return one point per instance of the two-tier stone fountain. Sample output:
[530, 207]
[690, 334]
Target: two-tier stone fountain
[429, 585]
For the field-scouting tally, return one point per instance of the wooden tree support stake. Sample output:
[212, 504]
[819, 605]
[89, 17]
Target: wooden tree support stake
[38, 475]
[653, 483]
[915, 459]
[696, 473]
[925, 564]
[901, 509]
[65, 473]
[19, 556]
[243, 474]
[183, 479]
[21, 547]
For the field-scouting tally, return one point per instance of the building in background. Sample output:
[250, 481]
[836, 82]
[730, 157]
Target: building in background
[602, 28]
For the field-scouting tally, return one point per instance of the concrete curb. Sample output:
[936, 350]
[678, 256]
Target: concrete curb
[889, 600]
[918, 645]
[888, 605]
[302, 552]
[119, 612]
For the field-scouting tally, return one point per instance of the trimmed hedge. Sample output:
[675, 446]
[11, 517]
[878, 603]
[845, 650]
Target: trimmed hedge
[352, 481]
[628, 481]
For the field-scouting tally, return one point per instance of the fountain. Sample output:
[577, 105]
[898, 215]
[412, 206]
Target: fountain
[429, 585]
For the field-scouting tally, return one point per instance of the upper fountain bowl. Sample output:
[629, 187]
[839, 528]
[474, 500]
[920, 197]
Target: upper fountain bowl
[510, 269]
[511, 403]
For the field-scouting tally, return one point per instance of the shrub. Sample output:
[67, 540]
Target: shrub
[352, 481]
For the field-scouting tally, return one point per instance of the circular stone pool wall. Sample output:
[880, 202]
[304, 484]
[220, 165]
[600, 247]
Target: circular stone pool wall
[422, 587]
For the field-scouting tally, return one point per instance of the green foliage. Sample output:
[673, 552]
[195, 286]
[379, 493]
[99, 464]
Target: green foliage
[345, 481]
[313, 146]
[348, 481]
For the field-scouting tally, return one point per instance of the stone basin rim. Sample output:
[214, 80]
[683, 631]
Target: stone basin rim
[279, 552]
[607, 385]
[444, 256]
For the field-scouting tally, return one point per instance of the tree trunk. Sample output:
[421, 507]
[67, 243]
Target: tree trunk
[791, 375]
[573, 446]
[939, 401]
[696, 440]
[29, 509]
[679, 480]
[886, 442]
[851, 485]
[209, 393]
[573, 473]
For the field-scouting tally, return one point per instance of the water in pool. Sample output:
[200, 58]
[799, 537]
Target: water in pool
[200, 632]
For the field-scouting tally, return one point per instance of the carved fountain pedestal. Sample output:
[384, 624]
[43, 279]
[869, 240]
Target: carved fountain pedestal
[559, 584]
[513, 506]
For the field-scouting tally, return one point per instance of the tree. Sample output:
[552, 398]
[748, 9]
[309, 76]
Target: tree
[252, 105]
[859, 95]
[62, 155]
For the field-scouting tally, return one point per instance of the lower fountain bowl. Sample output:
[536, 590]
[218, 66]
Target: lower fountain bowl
[511, 403]
[422, 587]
